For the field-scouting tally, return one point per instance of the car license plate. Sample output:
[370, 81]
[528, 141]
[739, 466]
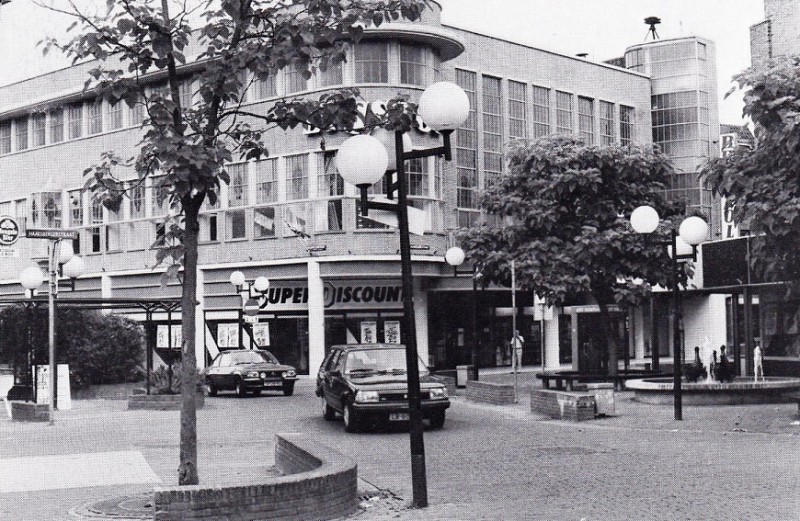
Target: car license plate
[398, 416]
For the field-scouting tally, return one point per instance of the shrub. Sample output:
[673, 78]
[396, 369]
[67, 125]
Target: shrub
[160, 380]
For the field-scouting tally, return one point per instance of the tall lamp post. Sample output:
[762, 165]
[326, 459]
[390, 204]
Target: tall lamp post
[455, 257]
[61, 261]
[261, 285]
[683, 243]
[362, 160]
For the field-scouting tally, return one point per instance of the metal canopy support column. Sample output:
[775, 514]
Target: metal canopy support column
[735, 337]
[748, 330]
[148, 335]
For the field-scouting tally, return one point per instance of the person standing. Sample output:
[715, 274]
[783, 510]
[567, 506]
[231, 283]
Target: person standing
[758, 362]
[517, 343]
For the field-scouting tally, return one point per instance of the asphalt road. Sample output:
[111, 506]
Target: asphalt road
[489, 462]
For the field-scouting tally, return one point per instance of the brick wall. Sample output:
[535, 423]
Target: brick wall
[319, 483]
[488, 392]
[563, 405]
[29, 412]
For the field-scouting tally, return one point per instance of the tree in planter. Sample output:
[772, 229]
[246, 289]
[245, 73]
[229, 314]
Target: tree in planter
[187, 145]
[762, 185]
[100, 349]
[564, 209]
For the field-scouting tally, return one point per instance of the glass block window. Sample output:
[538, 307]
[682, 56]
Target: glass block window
[138, 205]
[264, 222]
[329, 182]
[264, 88]
[95, 117]
[21, 127]
[237, 188]
[136, 113]
[115, 111]
[586, 119]
[76, 208]
[541, 111]
[417, 172]
[57, 125]
[371, 63]
[39, 123]
[412, 65]
[236, 224]
[293, 80]
[160, 197]
[467, 145]
[626, 122]
[333, 75]
[266, 180]
[517, 110]
[74, 121]
[5, 137]
[564, 112]
[21, 208]
[606, 123]
[492, 129]
[185, 92]
[297, 177]
[46, 211]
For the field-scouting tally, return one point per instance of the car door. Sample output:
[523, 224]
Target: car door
[329, 381]
[338, 385]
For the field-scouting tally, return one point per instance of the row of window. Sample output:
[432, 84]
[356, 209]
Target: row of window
[638, 59]
[532, 111]
[371, 62]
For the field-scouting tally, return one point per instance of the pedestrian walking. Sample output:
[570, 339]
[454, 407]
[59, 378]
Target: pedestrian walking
[516, 344]
[758, 362]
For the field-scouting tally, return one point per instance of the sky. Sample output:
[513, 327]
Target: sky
[601, 28]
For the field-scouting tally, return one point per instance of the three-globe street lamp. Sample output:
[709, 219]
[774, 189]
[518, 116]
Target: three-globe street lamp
[683, 243]
[455, 257]
[249, 304]
[61, 260]
[362, 160]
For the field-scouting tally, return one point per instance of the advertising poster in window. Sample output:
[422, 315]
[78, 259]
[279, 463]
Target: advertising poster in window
[391, 331]
[261, 335]
[369, 331]
[228, 336]
[163, 336]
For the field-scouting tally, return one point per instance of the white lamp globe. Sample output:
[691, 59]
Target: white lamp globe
[454, 256]
[444, 106]
[693, 230]
[387, 139]
[683, 247]
[644, 219]
[362, 160]
[74, 268]
[261, 284]
[31, 277]
[65, 251]
[237, 278]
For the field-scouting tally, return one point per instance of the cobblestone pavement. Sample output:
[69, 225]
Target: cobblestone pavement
[489, 462]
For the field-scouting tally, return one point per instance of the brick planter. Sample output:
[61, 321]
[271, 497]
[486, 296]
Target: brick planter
[29, 412]
[161, 402]
[488, 392]
[563, 405]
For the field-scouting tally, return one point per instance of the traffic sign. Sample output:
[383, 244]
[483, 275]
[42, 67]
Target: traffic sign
[50, 233]
[9, 230]
[251, 307]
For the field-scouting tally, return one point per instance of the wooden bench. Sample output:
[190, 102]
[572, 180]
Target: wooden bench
[563, 405]
[565, 380]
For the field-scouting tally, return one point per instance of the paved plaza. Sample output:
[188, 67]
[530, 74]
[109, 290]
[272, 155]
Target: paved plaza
[489, 462]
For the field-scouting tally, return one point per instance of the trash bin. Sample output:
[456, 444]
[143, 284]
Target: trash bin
[463, 373]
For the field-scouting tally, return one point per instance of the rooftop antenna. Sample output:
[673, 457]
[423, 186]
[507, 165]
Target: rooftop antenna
[652, 21]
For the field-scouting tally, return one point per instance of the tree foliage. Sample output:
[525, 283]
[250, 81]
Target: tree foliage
[565, 208]
[186, 145]
[762, 185]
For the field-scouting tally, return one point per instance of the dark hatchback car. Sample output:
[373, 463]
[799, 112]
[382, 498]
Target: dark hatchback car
[367, 384]
[246, 370]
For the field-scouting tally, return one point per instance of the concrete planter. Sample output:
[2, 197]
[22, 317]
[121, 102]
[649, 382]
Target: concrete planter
[29, 412]
[161, 402]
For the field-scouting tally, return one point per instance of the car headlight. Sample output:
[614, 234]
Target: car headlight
[263, 376]
[438, 393]
[367, 397]
[288, 374]
[252, 374]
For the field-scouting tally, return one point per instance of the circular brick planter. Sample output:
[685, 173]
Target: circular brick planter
[161, 402]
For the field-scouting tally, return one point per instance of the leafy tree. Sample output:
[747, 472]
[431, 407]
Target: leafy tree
[187, 145]
[564, 208]
[762, 184]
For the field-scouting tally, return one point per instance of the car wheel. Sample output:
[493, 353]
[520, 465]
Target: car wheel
[241, 390]
[328, 412]
[351, 421]
[288, 388]
[211, 389]
[256, 392]
[437, 420]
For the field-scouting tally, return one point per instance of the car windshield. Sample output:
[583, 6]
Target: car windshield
[378, 361]
[252, 357]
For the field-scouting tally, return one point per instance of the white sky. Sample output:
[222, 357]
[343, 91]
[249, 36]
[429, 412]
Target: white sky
[602, 28]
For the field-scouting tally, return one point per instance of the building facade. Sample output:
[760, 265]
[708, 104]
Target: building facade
[777, 35]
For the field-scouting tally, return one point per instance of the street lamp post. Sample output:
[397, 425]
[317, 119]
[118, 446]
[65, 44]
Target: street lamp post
[61, 261]
[260, 284]
[683, 243]
[455, 257]
[362, 160]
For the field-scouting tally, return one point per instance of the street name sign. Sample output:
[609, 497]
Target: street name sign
[50, 233]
